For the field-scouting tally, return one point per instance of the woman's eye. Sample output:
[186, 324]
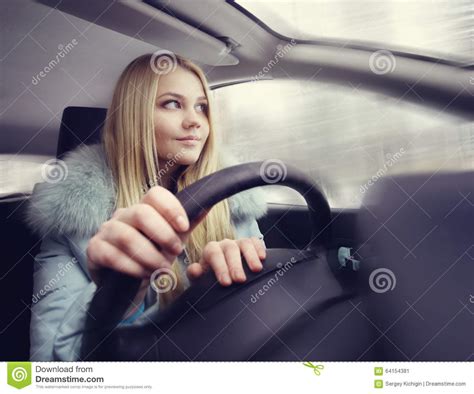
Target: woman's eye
[171, 104]
[202, 107]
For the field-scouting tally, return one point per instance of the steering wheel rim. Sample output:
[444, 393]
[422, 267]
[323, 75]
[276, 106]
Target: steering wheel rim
[114, 297]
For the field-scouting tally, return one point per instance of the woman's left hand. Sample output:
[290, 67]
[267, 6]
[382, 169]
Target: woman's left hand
[224, 258]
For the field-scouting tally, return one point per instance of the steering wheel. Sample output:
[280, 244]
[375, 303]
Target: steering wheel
[209, 321]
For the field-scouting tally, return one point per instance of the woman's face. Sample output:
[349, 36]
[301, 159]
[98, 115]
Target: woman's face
[180, 114]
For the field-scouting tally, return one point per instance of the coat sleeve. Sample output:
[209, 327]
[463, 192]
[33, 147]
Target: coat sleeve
[60, 293]
[247, 229]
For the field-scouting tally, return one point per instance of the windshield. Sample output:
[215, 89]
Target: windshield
[441, 29]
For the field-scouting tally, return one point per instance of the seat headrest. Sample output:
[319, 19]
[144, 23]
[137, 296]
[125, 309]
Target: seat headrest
[79, 125]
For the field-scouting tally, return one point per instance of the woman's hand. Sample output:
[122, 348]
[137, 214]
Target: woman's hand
[224, 258]
[142, 238]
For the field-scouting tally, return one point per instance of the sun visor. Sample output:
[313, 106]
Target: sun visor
[143, 22]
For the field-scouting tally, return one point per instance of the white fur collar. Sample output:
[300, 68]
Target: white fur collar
[80, 203]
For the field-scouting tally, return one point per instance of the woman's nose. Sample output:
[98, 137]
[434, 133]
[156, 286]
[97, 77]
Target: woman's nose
[191, 120]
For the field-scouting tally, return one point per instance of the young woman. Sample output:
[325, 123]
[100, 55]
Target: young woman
[117, 208]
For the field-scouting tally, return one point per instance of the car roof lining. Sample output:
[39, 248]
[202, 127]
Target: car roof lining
[140, 20]
[255, 47]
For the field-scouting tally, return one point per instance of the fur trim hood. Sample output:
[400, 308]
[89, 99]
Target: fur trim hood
[84, 197]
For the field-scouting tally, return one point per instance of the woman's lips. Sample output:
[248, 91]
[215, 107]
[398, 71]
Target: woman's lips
[189, 142]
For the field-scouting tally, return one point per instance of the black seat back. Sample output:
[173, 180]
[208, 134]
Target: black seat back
[417, 246]
[79, 125]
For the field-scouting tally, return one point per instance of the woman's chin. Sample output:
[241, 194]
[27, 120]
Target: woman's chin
[188, 158]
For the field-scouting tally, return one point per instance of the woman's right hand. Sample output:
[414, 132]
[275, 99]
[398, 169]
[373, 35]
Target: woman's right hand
[141, 238]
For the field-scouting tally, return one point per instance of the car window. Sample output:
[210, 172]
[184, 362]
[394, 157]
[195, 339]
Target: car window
[344, 138]
[440, 28]
[19, 173]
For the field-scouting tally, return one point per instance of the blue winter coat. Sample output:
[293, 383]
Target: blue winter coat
[66, 215]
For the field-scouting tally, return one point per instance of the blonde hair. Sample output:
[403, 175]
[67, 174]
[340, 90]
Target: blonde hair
[130, 148]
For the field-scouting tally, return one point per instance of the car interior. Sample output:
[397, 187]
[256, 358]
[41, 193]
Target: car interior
[407, 213]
